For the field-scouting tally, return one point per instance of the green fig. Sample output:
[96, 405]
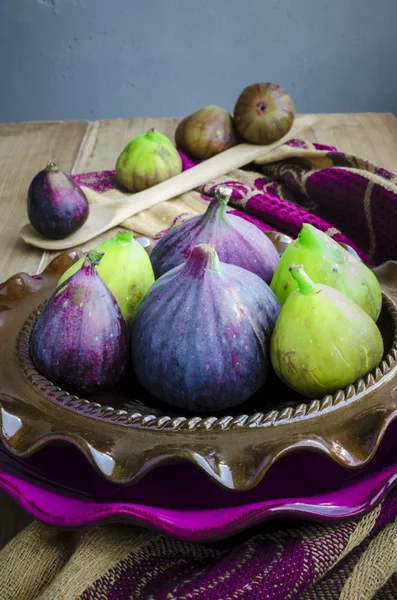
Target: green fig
[322, 341]
[125, 268]
[148, 159]
[325, 261]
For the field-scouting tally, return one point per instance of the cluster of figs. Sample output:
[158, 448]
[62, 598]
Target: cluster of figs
[263, 113]
[204, 319]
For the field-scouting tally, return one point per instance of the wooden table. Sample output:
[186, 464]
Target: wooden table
[81, 146]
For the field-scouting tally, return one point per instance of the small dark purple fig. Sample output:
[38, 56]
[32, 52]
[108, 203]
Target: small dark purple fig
[80, 340]
[237, 241]
[200, 338]
[57, 207]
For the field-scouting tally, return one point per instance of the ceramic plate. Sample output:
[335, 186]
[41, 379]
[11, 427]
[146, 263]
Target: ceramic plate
[59, 487]
[126, 434]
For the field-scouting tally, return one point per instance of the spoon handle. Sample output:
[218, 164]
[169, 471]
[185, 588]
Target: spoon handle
[222, 163]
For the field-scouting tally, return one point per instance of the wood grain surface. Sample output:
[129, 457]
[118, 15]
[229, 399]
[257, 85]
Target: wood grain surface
[81, 146]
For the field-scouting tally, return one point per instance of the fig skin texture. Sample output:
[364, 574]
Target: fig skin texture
[325, 261]
[322, 341]
[200, 338]
[264, 113]
[147, 160]
[206, 132]
[80, 340]
[57, 207]
[125, 268]
[236, 240]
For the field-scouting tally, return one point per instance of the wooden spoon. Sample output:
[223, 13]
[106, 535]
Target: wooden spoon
[103, 217]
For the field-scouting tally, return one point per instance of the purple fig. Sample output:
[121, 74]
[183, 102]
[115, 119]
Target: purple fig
[80, 340]
[237, 241]
[57, 207]
[200, 338]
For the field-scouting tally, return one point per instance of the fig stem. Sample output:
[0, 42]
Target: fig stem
[308, 238]
[124, 237]
[306, 285]
[223, 193]
[202, 257]
[217, 206]
[209, 252]
[51, 165]
[93, 258]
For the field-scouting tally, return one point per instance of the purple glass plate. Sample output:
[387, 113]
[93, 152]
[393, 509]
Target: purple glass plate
[59, 487]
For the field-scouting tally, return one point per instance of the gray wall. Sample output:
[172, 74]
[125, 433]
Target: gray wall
[93, 59]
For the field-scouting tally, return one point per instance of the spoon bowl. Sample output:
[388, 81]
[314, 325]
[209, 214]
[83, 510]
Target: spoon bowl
[99, 219]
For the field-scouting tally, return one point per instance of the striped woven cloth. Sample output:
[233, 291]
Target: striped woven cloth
[284, 561]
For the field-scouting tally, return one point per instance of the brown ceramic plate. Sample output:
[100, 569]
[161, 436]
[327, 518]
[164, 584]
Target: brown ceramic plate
[126, 433]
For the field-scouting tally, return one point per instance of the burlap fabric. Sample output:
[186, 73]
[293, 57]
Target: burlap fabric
[352, 561]
[353, 201]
